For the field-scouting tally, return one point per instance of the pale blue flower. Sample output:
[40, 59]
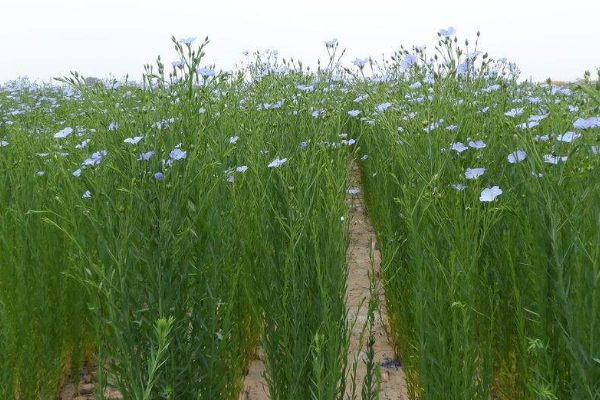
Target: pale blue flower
[568, 137]
[178, 154]
[462, 68]
[542, 138]
[159, 176]
[206, 72]
[133, 140]
[95, 159]
[113, 126]
[233, 139]
[490, 88]
[146, 156]
[477, 145]
[408, 61]
[517, 156]
[458, 147]
[354, 113]
[433, 125]
[528, 125]
[331, 43]
[77, 173]
[277, 163]
[360, 62]
[241, 169]
[353, 191]
[581, 123]
[474, 173]
[490, 194]
[537, 118]
[63, 133]
[458, 186]
[305, 88]
[514, 112]
[383, 106]
[87, 195]
[447, 32]
[83, 144]
[552, 159]
[187, 41]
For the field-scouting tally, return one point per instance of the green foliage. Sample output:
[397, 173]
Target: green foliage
[174, 224]
[176, 277]
[486, 298]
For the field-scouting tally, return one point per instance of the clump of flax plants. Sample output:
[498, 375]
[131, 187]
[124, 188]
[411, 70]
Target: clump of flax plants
[487, 294]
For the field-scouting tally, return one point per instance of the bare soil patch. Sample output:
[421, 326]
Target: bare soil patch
[362, 243]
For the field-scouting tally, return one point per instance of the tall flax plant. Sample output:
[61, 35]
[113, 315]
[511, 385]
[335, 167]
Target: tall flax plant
[166, 250]
[497, 298]
[299, 242]
[301, 288]
[4, 375]
[553, 263]
[440, 290]
[433, 277]
[43, 315]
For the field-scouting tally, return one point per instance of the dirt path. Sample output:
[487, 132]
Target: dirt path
[393, 384]
[255, 386]
[84, 390]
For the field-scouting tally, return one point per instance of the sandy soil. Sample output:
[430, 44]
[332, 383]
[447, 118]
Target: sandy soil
[85, 389]
[255, 386]
[393, 385]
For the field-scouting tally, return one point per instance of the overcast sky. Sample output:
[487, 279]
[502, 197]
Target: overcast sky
[43, 39]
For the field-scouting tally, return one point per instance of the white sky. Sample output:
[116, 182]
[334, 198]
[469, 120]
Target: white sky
[43, 38]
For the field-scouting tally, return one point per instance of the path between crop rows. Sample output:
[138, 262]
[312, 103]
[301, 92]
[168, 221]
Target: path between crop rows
[393, 386]
[362, 236]
[85, 389]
